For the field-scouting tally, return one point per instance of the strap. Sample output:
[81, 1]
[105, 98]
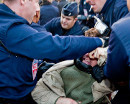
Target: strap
[2, 44]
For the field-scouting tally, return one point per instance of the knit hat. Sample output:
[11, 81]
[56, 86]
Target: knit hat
[70, 9]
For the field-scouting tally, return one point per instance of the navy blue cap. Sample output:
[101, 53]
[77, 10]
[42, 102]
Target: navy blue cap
[70, 9]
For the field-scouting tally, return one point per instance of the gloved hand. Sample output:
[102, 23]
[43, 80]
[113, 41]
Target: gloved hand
[82, 66]
[98, 73]
[93, 32]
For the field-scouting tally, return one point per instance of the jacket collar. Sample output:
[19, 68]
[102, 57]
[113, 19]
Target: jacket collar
[108, 2]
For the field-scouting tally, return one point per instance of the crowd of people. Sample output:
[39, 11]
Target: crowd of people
[88, 65]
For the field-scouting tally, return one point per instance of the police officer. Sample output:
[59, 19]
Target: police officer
[85, 10]
[117, 67]
[48, 11]
[20, 44]
[67, 24]
[109, 10]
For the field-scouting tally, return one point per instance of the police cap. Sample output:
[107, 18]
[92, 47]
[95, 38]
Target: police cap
[70, 9]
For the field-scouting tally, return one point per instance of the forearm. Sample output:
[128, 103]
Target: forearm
[36, 45]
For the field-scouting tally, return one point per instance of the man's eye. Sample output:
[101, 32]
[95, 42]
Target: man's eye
[68, 19]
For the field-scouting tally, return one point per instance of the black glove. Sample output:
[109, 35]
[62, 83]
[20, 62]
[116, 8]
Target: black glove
[43, 67]
[82, 66]
[97, 73]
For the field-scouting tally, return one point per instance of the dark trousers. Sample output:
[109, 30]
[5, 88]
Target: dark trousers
[122, 97]
[27, 100]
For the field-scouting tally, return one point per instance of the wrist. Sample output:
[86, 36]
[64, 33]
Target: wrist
[58, 100]
[103, 41]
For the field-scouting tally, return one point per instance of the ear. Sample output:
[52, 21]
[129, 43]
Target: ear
[22, 2]
[76, 19]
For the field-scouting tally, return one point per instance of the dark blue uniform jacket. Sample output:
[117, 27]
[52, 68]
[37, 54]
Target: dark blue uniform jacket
[113, 10]
[38, 27]
[84, 9]
[16, 79]
[48, 12]
[83, 5]
[119, 51]
[54, 26]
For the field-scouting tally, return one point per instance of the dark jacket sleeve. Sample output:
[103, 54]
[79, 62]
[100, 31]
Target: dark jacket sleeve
[118, 59]
[81, 12]
[52, 25]
[120, 9]
[40, 45]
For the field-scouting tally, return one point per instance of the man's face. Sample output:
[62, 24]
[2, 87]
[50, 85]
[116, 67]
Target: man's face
[67, 22]
[128, 4]
[96, 5]
[89, 61]
[30, 6]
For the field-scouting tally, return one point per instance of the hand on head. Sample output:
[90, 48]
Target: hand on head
[89, 61]
[100, 54]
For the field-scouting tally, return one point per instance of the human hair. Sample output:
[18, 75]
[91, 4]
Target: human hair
[75, 16]
[44, 2]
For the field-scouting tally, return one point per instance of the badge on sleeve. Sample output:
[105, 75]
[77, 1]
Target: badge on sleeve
[34, 68]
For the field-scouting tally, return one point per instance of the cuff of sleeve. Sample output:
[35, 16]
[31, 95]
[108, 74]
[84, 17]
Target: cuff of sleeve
[57, 99]
[53, 99]
[99, 42]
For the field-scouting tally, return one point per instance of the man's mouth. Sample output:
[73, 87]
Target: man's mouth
[87, 62]
[92, 6]
[64, 24]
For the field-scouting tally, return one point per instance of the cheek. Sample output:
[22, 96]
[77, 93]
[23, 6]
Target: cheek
[61, 21]
[93, 63]
[70, 24]
[35, 7]
[32, 11]
[98, 7]
[128, 4]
